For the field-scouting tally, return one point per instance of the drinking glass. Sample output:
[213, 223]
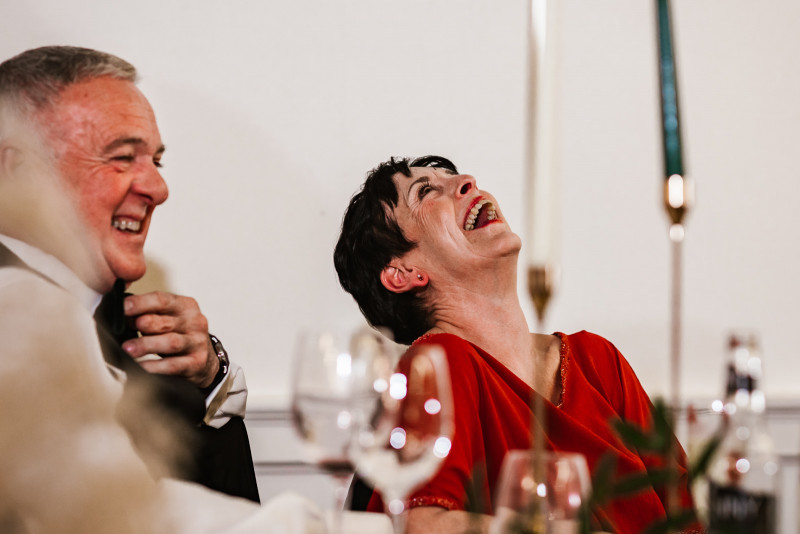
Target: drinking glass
[543, 498]
[332, 393]
[403, 444]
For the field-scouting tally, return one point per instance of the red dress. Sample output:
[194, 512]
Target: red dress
[493, 414]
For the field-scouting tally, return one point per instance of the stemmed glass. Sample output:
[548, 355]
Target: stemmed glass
[332, 393]
[541, 495]
[403, 444]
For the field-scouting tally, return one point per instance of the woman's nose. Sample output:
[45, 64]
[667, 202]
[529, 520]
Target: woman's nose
[465, 185]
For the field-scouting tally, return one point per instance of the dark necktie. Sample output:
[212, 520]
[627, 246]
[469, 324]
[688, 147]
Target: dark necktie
[172, 394]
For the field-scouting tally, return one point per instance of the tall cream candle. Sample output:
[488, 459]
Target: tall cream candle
[542, 136]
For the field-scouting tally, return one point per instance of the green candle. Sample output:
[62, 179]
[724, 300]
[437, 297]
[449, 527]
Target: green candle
[670, 123]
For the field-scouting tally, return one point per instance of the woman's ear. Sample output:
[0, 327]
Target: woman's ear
[10, 158]
[398, 279]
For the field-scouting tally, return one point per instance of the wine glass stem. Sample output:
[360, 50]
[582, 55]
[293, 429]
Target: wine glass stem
[340, 492]
[397, 511]
[399, 523]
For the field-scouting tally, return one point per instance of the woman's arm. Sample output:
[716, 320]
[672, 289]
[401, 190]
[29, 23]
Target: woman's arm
[426, 519]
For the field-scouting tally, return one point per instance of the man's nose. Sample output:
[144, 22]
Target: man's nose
[152, 185]
[465, 183]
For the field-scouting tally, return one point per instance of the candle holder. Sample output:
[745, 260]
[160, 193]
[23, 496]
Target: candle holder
[541, 287]
[678, 195]
[541, 196]
[541, 284]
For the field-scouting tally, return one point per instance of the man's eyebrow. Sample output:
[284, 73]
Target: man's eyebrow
[122, 141]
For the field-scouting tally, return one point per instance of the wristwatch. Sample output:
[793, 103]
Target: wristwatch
[222, 354]
[224, 364]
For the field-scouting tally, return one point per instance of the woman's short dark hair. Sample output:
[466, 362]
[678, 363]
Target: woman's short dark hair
[370, 239]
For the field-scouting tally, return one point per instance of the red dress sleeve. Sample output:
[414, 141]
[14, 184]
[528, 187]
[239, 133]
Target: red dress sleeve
[604, 373]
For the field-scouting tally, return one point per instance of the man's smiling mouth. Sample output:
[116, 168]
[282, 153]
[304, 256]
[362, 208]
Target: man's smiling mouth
[127, 225]
[481, 214]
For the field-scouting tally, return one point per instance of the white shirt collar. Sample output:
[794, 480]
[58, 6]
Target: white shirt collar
[51, 267]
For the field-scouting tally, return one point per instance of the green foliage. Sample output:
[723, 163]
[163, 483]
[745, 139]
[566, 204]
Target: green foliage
[658, 442]
[703, 461]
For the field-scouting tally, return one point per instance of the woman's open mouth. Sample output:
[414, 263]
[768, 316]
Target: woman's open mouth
[482, 213]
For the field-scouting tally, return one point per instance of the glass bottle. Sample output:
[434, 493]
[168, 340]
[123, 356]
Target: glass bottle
[742, 477]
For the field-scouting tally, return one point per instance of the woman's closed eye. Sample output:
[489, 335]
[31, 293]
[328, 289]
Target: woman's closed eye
[423, 189]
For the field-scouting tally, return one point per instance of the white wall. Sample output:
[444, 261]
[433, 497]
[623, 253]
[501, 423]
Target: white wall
[273, 112]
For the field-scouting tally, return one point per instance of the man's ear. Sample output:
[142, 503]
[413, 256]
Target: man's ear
[398, 279]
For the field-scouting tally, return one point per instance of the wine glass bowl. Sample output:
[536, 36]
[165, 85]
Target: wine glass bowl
[402, 445]
[541, 494]
[333, 391]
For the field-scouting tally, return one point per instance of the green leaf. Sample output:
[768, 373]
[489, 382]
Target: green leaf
[703, 461]
[674, 523]
[633, 435]
[662, 435]
[640, 481]
[603, 479]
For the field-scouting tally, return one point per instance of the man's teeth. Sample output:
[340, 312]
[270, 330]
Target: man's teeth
[491, 214]
[126, 225]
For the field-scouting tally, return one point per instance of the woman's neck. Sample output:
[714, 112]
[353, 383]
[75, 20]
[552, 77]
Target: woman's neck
[491, 319]
[494, 321]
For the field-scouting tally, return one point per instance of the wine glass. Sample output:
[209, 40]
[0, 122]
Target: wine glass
[332, 392]
[402, 445]
[545, 494]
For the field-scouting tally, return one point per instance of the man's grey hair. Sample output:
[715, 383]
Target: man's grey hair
[33, 79]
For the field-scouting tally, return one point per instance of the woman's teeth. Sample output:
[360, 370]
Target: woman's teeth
[491, 214]
[127, 225]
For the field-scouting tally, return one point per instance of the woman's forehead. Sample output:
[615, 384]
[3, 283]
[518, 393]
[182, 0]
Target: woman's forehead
[423, 171]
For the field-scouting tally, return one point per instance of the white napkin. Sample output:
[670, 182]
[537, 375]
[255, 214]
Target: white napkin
[362, 523]
[197, 510]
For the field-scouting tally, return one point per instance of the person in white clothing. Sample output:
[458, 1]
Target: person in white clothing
[80, 153]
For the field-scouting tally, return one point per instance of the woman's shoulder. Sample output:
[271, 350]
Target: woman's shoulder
[464, 358]
[588, 343]
[444, 339]
[593, 351]
[584, 337]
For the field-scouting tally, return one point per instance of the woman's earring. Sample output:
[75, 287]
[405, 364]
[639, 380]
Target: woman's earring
[419, 277]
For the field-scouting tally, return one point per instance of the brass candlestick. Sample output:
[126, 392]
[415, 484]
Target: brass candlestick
[541, 286]
[541, 224]
[677, 199]
[678, 194]
[541, 282]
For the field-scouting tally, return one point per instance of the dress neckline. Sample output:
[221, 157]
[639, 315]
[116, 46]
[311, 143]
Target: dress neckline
[563, 364]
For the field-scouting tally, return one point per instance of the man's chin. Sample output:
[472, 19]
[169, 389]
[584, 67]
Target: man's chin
[105, 280]
[129, 275]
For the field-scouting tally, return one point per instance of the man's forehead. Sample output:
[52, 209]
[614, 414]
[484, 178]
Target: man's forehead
[114, 109]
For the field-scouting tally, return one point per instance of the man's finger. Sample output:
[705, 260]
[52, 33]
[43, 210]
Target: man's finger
[184, 366]
[167, 344]
[152, 323]
[153, 302]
